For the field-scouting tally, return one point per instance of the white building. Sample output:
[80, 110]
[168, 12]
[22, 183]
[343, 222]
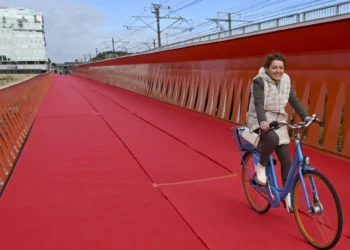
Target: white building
[22, 40]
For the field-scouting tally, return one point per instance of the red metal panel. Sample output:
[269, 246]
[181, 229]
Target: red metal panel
[245, 99]
[346, 123]
[193, 94]
[166, 84]
[317, 102]
[237, 100]
[289, 42]
[335, 104]
[202, 91]
[177, 88]
[185, 89]
[171, 86]
[227, 95]
[303, 93]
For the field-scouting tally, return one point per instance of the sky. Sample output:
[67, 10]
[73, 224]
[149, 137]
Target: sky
[74, 29]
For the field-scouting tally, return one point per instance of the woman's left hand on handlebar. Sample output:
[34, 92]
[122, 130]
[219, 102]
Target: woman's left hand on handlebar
[264, 125]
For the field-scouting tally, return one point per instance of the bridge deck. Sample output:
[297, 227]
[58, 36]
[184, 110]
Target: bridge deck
[86, 179]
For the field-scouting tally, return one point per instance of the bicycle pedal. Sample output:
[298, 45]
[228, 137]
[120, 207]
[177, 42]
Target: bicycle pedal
[254, 182]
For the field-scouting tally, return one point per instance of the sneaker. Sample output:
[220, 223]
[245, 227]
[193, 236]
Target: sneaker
[288, 203]
[260, 174]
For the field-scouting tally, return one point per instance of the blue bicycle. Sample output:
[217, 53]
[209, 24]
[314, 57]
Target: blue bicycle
[307, 188]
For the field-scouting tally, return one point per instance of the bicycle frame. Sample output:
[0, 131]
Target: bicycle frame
[274, 192]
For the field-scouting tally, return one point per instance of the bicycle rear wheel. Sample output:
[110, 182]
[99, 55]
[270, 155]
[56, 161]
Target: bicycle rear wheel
[258, 200]
[324, 200]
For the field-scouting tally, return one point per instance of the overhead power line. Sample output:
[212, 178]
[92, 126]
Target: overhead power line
[156, 11]
[229, 20]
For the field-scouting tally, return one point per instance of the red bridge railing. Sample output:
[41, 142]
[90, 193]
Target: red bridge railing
[19, 104]
[215, 78]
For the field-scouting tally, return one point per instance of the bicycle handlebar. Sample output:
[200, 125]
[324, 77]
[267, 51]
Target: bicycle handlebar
[313, 119]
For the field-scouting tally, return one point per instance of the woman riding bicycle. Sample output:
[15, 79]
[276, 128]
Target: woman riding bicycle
[271, 91]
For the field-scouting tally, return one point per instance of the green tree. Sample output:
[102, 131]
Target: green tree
[109, 54]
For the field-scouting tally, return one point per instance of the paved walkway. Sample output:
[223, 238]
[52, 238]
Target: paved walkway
[105, 168]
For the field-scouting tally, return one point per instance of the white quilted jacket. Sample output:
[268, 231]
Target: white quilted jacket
[276, 99]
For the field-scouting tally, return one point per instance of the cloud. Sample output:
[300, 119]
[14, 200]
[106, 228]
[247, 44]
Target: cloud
[71, 29]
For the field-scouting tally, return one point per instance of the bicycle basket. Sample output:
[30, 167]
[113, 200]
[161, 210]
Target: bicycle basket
[242, 143]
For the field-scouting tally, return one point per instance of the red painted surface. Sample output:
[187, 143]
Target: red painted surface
[84, 179]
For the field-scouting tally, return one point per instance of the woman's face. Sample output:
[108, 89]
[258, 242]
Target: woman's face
[276, 70]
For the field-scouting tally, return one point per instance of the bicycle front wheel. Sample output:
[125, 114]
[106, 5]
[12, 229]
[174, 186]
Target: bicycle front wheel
[321, 225]
[256, 199]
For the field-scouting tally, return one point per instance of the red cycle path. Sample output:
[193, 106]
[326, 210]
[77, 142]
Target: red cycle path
[87, 179]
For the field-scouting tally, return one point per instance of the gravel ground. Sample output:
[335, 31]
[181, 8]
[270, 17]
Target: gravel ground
[10, 78]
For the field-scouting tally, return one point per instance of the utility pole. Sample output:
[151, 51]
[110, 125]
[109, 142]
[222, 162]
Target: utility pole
[156, 11]
[119, 43]
[167, 37]
[229, 23]
[96, 52]
[154, 43]
[228, 20]
[218, 20]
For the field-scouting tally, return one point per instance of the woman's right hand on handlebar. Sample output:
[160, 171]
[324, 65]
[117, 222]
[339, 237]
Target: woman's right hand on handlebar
[264, 125]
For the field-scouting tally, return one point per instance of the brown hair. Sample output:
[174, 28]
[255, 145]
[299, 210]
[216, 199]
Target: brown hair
[273, 56]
